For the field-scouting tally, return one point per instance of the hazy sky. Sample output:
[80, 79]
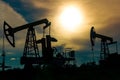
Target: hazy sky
[104, 15]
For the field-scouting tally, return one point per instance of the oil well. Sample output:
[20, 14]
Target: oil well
[106, 57]
[50, 55]
[31, 54]
[63, 62]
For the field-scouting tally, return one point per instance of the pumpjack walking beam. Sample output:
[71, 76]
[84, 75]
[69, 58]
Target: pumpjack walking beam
[9, 31]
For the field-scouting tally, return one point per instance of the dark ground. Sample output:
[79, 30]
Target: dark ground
[108, 69]
[84, 72]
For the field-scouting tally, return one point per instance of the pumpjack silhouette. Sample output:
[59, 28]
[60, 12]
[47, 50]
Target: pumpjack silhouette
[63, 60]
[31, 54]
[106, 57]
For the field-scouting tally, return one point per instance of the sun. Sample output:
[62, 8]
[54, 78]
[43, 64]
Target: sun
[70, 18]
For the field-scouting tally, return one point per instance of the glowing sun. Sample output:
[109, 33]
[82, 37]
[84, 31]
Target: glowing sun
[70, 18]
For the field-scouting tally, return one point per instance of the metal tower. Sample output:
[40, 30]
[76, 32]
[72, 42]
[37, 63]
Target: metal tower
[31, 48]
[104, 49]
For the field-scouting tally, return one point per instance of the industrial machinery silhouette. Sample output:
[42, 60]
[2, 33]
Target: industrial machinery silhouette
[9, 31]
[69, 53]
[31, 53]
[105, 42]
[50, 54]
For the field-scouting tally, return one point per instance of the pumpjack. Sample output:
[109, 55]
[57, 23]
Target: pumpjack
[9, 31]
[31, 53]
[105, 42]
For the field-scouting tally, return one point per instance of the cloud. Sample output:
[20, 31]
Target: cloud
[103, 15]
[96, 13]
[29, 10]
[112, 29]
[8, 14]
[9, 53]
[12, 59]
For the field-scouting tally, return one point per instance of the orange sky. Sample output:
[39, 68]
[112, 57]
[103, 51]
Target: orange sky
[104, 15]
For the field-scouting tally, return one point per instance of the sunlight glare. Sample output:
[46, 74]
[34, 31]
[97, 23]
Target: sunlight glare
[71, 18]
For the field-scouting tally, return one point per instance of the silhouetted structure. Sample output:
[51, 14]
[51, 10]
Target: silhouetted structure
[105, 42]
[30, 49]
[31, 53]
[9, 31]
[108, 69]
